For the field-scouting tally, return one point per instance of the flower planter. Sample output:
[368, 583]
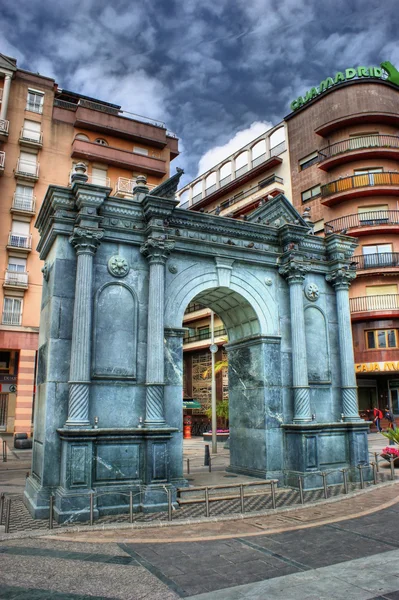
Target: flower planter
[221, 437]
[388, 458]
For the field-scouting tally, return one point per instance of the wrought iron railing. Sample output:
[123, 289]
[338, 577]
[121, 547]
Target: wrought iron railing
[357, 181]
[371, 303]
[4, 125]
[16, 278]
[27, 168]
[30, 135]
[11, 317]
[2, 159]
[194, 306]
[19, 240]
[276, 150]
[125, 186]
[23, 203]
[359, 143]
[204, 335]
[376, 261]
[368, 219]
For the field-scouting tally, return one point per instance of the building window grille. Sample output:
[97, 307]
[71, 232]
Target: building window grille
[12, 311]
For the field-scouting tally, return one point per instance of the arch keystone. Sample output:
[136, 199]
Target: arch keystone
[224, 268]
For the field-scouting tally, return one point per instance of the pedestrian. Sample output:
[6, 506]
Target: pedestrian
[390, 418]
[377, 418]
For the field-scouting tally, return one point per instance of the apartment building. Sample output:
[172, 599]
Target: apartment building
[344, 155]
[44, 131]
[232, 188]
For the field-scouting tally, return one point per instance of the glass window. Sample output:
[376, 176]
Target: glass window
[34, 101]
[82, 137]
[31, 131]
[370, 339]
[311, 193]
[308, 161]
[101, 141]
[139, 150]
[382, 343]
[381, 338]
[17, 265]
[12, 311]
[391, 336]
[27, 163]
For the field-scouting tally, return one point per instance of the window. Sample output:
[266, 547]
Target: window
[5, 360]
[31, 131]
[101, 141]
[12, 311]
[367, 176]
[20, 234]
[381, 290]
[99, 176]
[82, 137]
[308, 161]
[318, 226]
[27, 163]
[381, 338]
[312, 192]
[377, 255]
[373, 215]
[16, 265]
[23, 198]
[139, 150]
[34, 101]
[204, 332]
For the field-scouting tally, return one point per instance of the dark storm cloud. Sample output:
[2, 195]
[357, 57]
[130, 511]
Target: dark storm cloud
[208, 68]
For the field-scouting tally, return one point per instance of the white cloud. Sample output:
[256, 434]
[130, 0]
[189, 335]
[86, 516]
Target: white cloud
[218, 153]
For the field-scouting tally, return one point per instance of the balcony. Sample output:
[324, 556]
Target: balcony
[204, 335]
[30, 138]
[380, 221]
[28, 171]
[369, 184]
[257, 193]
[20, 242]
[358, 148]
[111, 120]
[16, 280]
[118, 158]
[11, 318]
[384, 260]
[124, 187]
[364, 306]
[2, 162]
[22, 205]
[4, 125]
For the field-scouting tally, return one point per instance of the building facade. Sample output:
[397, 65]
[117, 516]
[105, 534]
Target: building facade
[344, 155]
[44, 132]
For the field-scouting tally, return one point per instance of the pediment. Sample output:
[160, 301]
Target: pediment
[8, 63]
[276, 212]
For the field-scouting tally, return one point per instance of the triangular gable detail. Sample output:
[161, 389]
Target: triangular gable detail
[277, 212]
[6, 62]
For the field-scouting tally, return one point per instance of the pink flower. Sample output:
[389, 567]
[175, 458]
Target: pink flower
[390, 450]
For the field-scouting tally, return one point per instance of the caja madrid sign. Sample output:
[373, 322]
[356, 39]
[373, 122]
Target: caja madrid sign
[385, 71]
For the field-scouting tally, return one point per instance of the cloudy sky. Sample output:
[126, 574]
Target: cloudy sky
[218, 72]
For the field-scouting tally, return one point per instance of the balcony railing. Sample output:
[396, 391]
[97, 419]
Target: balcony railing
[2, 159]
[11, 318]
[374, 303]
[373, 218]
[204, 335]
[359, 143]
[4, 125]
[357, 181]
[30, 135]
[193, 307]
[276, 150]
[27, 169]
[23, 203]
[16, 278]
[19, 240]
[125, 186]
[248, 193]
[376, 261]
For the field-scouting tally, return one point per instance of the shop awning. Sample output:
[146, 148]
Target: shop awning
[191, 404]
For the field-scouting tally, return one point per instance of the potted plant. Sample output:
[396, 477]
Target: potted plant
[391, 451]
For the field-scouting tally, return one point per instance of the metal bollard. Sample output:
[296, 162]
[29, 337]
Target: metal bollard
[8, 513]
[300, 484]
[206, 502]
[4, 451]
[376, 461]
[207, 455]
[344, 475]
[91, 508]
[210, 464]
[273, 491]
[324, 476]
[188, 466]
[1, 507]
[242, 498]
[169, 504]
[131, 506]
[375, 474]
[391, 460]
[360, 467]
[50, 512]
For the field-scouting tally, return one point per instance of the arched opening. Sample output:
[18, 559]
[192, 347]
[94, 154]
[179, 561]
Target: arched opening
[197, 191]
[258, 153]
[210, 184]
[241, 163]
[225, 173]
[277, 141]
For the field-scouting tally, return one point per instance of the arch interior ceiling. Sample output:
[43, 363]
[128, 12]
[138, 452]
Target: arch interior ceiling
[237, 314]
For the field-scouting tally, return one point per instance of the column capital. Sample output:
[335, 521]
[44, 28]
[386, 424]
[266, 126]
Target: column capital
[341, 279]
[294, 271]
[86, 241]
[157, 250]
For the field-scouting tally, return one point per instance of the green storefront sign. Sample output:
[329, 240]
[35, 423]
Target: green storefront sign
[385, 71]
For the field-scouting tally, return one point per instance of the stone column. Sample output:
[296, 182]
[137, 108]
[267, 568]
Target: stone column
[6, 96]
[295, 274]
[249, 158]
[157, 251]
[341, 280]
[85, 242]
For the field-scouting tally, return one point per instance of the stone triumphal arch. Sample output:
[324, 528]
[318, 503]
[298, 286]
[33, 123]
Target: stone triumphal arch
[118, 276]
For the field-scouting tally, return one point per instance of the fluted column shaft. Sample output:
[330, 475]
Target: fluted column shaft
[85, 244]
[341, 281]
[157, 251]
